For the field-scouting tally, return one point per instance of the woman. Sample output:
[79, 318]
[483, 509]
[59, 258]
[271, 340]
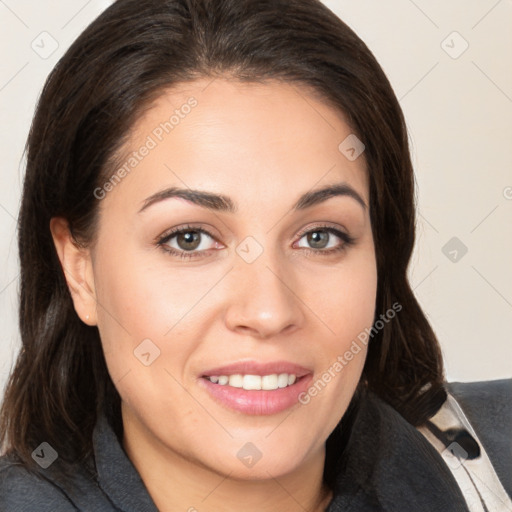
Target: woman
[217, 219]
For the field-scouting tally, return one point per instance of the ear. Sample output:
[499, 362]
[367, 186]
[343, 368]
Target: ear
[76, 263]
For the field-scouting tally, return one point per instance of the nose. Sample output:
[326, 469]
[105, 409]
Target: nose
[263, 300]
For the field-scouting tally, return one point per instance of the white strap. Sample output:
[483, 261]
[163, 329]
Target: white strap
[476, 477]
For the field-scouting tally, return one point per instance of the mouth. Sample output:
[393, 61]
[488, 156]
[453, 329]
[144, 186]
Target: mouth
[256, 388]
[255, 382]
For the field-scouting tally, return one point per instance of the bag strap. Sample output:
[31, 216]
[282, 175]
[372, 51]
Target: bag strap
[451, 434]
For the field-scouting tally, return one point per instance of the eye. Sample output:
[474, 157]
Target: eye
[325, 240]
[193, 242]
[187, 242]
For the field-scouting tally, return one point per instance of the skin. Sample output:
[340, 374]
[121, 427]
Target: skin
[263, 145]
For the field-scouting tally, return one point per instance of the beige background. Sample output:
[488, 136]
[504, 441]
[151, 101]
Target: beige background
[449, 63]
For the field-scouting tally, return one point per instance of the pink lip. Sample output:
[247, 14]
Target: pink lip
[255, 368]
[257, 402]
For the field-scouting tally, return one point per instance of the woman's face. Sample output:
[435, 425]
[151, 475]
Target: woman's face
[262, 288]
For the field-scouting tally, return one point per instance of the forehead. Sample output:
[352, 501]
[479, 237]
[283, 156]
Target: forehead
[275, 138]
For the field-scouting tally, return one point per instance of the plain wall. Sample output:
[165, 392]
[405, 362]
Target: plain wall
[449, 64]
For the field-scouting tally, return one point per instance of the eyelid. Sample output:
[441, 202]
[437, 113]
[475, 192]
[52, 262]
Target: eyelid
[322, 225]
[341, 233]
[164, 237]
[346, 239]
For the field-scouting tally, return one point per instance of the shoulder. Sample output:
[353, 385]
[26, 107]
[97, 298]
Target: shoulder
[497, 391]
[488, 407]
[488, 404]
[22, 490]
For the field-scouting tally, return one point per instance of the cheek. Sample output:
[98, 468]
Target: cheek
[346, 297]
[136, 296]
[144, 308]
[144, 292]
[346, 300]
[134, 306]
[347, 306]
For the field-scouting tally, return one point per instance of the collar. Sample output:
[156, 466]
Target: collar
[386, 464]
[117, 476]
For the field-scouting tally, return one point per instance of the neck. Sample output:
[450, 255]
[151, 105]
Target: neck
[176, 482]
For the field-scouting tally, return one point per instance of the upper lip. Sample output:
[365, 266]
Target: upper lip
[257, 368]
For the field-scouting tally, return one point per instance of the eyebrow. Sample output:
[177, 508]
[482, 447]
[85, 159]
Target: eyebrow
[222, 203]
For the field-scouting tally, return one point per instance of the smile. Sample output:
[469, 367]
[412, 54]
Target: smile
[256, 389]
[255, 382]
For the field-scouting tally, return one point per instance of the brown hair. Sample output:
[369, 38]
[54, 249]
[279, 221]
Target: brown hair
[92, 98]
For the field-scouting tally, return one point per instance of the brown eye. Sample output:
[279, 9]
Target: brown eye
[189, 240]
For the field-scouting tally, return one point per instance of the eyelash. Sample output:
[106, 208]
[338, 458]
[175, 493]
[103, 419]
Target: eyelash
[346, 239]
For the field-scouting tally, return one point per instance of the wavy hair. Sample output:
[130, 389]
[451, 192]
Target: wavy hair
[115, 69]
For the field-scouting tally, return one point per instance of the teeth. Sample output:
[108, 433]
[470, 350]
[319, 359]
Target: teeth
[236, 381]
[269, 382]
[282, 380]
[251, 382]
[248, 382]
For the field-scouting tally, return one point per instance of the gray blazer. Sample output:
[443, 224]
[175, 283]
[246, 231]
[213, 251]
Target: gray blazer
[386, 465]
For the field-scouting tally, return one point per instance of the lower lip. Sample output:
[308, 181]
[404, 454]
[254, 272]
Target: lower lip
[257, 402]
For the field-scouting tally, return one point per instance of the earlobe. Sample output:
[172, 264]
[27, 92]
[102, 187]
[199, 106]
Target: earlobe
[76, 264]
